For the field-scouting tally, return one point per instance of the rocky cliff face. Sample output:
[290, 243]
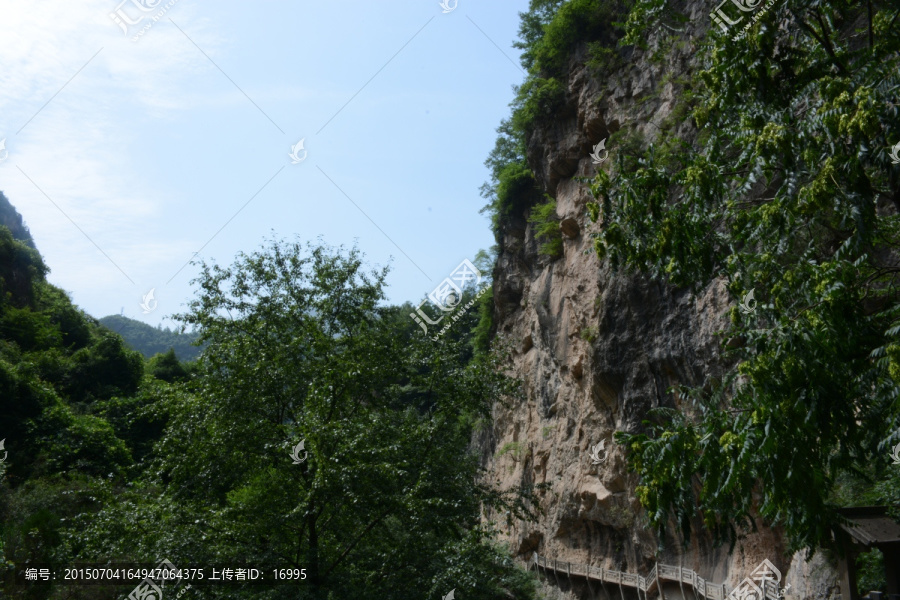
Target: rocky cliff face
[597, 349]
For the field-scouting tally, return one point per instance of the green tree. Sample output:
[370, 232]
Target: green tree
[166, 367]
[385, 498]
[104, 369]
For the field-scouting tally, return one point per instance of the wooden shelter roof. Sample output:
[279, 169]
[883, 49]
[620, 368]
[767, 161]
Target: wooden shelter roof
[870, 525]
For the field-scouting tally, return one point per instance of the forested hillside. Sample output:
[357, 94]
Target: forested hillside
[149, 340]
[114, 458]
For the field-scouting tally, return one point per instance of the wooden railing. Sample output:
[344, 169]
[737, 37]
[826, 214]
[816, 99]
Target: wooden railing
[658, 574]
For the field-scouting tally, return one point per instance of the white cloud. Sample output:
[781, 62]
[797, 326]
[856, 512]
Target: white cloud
[77, 148]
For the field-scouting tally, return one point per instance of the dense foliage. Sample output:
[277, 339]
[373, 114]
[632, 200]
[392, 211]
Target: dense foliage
[112, 457]
[55, 365]
[57, 369]
[388, 498]
[787, 191]
[546, 228]
[550, 31]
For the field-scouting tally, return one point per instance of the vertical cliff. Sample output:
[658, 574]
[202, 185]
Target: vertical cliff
[597, 348]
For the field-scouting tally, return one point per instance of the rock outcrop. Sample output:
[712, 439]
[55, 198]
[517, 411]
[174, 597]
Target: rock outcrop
[598, 349]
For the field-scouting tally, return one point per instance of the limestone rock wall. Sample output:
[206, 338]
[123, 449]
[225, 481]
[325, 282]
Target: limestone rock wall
[597, 349]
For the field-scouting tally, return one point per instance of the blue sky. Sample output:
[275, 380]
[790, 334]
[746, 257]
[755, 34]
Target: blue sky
[127, 157]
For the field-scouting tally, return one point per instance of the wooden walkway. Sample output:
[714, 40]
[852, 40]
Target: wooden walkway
[652, 582]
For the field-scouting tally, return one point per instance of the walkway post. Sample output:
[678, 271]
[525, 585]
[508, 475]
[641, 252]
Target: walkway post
[603, 585]
[662, 596]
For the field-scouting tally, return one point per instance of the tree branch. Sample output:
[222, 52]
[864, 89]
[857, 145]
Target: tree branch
[825, 41]
[871, 38]
[356, 541]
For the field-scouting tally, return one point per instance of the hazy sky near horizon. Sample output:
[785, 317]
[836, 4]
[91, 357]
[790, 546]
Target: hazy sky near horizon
[126, 157]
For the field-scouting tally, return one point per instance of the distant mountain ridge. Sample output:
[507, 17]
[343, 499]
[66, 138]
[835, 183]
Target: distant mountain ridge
[149, 340]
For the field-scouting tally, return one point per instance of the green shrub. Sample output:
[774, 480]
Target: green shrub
[589, 334]
[165, 366]
[603, 59]
[517, 186]
[516, 449]
[20, 267]
[138, 421]
[74, 325]
[537, 100]
[532, 26]
[576, 21]
[547, 227]
[85, 443]
[29, 329]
